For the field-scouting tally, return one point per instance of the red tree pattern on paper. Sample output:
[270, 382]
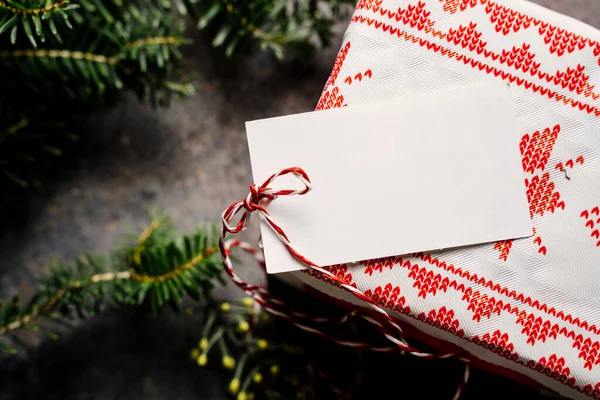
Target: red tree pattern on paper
[331, 99]
[452, 6]
[505, 19]
[341, 271]
[331, 96]
[597, 51]
[482, 305]
[337, 66]
[537, 329]
[537, 147]
[538, 242]
[359, 76]
[443, 319]
[569, 163]
[592, 221]
[467, 37]
[503, 247]
[573, 79]
[541, 195]
[369, 4]
[389, 297]
[521, 59]
[589, 351]
[497, 342]
[416, 16]
[560, 40]
[592, 391]
[555, 368]
[378, 264]
[427, 281]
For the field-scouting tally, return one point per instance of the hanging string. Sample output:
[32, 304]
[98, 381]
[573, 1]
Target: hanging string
[372, 313]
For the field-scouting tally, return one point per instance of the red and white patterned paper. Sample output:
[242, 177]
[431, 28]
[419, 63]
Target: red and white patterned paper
[531, 305]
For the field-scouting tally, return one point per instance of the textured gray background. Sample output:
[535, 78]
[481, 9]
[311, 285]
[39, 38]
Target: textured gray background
[192, 161]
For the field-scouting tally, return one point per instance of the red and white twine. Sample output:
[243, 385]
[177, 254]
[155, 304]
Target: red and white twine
[372, 312]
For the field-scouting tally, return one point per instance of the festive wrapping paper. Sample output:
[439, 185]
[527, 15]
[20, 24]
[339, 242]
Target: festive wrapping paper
[530, 306]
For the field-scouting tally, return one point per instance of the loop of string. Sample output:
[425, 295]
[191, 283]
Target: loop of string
[373, 313]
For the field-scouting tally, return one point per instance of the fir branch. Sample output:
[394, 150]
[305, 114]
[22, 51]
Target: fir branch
[272, 24]
[64, 54]
[172, 274]
[164, 274]
[155, 41]
[31, 11]
[48, 307]
[145, 237]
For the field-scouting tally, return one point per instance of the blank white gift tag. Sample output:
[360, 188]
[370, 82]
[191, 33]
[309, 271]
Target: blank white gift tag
[392, 178]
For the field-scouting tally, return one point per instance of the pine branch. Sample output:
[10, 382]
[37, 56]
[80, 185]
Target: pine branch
[148, 273]
[76, 56]
[34, 17]
[101, 57]
[272, 24]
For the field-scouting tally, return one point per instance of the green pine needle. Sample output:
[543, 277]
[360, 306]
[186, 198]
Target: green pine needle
[156, 270]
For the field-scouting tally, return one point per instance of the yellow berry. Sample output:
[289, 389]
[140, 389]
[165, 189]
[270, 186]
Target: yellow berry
[202, 360]
[195, 353]
[229, 7]
[242, 396]
[250, 396]
[257, 378]
[262, 344]
[225, 307]
[243, 326]
[228, 362]
[234, 385]
[248, 301]
[189, 311]
[274, 369]
[203, 344]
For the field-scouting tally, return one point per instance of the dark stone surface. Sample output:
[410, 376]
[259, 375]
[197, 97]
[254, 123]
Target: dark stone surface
[192, 161]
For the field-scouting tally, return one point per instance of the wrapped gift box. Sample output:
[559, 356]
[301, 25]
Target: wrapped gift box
[528, 307]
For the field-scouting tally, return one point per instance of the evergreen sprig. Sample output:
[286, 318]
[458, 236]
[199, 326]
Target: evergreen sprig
[236, 25]
[156, 271]
[33, 18]
[99, 59]
[71, 57]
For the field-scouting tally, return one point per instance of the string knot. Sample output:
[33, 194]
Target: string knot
[256, 195]
[263, 192]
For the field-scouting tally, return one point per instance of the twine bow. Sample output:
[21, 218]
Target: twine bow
[372, 313]
[257, 194]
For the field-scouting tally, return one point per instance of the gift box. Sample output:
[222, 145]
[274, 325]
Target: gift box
[529, 308]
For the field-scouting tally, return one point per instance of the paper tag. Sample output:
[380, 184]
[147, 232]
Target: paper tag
[395, 177]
